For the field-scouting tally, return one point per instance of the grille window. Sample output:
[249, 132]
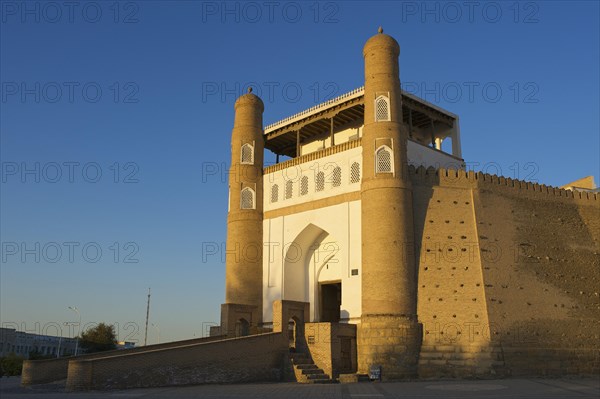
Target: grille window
[383, 160]
[247, 154]
[247, 198]
[289, 189]
[354, 172]
[320, 181]
[382, 108]
[274, 193]
[304, 185]
[336, 177]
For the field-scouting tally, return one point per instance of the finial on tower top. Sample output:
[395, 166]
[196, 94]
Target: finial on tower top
[249, 89]
[380, 30]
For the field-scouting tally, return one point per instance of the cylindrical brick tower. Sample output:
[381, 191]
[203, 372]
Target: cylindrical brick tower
[243, 260]
[389, 334]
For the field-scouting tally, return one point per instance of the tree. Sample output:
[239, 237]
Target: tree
[11, 365]
[98, 339]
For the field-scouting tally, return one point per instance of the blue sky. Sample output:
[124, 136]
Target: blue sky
[116, 117]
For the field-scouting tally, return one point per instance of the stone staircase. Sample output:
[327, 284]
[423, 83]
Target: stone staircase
[306, 371]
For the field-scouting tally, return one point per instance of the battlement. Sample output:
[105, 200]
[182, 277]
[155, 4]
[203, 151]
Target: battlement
[471, 179]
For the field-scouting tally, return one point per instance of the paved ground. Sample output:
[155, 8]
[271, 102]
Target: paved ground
[511, 388]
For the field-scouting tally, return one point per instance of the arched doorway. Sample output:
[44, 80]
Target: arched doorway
[313, 273]
[292, 333]
[296, 263]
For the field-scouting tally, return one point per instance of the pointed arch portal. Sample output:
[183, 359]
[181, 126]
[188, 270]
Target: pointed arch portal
[312, 273]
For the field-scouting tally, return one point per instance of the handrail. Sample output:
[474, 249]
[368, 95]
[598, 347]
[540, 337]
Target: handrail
[356, 92]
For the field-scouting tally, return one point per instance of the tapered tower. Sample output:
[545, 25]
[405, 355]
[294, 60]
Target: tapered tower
[389, 334]
[242, 312]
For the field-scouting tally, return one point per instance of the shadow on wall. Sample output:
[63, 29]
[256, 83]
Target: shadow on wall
[422, 196]
[533, 293]
[541, 280]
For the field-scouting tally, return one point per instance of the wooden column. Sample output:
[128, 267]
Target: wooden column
[432, 133]
[410, 125]
[331, 131]
[298, 143]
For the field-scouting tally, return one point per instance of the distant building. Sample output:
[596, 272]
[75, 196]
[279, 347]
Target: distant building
[22, 344]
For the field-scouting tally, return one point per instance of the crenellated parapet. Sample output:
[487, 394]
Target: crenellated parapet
[478, 180]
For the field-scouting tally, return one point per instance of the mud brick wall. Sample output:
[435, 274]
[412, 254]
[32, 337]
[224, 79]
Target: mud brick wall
[44, 371]
[246, 359]
[520, 297]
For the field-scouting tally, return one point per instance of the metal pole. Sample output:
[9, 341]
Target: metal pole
[147, 316]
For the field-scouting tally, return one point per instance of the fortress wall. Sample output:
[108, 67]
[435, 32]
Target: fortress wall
[541, 266]
[49, 370]
[451, 298]
[537, 253]
[245, 359]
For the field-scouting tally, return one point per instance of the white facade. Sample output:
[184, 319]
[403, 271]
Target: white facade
[421, 155]
[312, 213]
[303, 249]
[307, 243]
[281, 181]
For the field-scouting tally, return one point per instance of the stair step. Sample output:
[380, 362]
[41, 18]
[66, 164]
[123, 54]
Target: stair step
[302, 359]
[306, 366]
[307, 371]
[299, 354]
[313, 372]
[304, 362]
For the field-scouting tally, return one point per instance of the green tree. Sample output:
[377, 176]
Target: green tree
[98, 339]
[11, 364]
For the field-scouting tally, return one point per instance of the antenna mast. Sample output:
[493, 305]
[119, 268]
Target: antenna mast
[147, 316]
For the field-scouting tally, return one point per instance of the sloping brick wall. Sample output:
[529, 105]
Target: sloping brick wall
[49, 370]
[246, 359]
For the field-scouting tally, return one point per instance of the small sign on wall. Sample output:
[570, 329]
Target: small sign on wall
[375, 373]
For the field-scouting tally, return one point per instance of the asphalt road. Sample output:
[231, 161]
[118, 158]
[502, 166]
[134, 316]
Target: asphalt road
[509, 388]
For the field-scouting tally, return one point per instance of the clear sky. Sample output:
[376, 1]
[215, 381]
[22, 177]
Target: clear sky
[116, 119]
